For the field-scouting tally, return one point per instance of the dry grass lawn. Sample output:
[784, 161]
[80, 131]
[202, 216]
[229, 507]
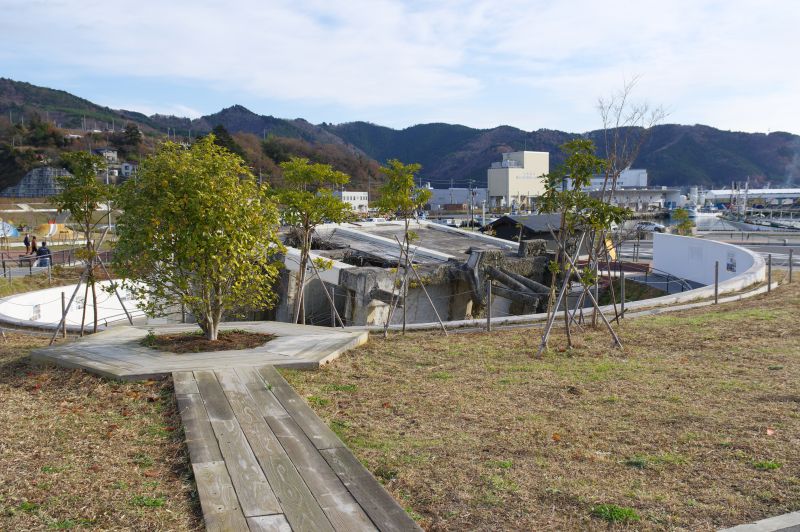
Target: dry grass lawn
[79, 452]
[695, 426]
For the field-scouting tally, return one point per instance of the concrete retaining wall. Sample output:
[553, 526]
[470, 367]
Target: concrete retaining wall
[694, 259]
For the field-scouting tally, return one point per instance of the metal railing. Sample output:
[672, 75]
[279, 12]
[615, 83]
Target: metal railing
[15, 265]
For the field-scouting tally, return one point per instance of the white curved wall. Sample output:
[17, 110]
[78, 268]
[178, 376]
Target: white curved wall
[694, 258]
[42, 308]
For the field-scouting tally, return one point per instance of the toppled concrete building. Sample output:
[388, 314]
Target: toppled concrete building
[453, 267]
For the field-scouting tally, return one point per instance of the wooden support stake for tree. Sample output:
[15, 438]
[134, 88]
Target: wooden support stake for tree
[489, 305]
[63, 313]
[325, 289]
[552, 318]
[103, 266]
[596, 305]
[62, 323]
[425, 290]
[402, 286]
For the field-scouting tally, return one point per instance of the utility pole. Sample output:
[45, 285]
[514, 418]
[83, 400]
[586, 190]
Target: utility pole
[471, 206]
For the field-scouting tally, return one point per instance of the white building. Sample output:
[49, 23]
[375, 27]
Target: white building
[517, 179]
[628, 178]
[645, 199]
[127, 169]
[359, 201]
[109, 154]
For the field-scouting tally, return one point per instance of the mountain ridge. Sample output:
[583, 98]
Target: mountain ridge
[674, 154]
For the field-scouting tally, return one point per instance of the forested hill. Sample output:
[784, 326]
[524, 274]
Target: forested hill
[672, 154]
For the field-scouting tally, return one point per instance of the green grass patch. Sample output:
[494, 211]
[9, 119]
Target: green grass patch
[341, 387]
[615, 514]
[339, 427]
[27, 506]
[148, 502]
[502, 464]
[318, 401]
[143, 460]
[767, 465]
[441, 375]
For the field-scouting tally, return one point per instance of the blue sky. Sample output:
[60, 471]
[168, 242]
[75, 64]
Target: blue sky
[530, 64]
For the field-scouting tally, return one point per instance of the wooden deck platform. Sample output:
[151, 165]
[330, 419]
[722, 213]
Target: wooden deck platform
[117, 352]
[263, 460]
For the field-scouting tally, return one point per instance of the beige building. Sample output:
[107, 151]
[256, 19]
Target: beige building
[515, 180]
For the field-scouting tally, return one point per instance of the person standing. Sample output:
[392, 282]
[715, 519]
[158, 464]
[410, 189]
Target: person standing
[43, 255]
[27, 243]
[33, 245]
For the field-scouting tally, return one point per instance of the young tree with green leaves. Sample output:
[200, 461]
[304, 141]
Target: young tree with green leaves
[400, 196]
[684, 224]
[581, 214]
[81, 197]
[306, 201]
[197, 230]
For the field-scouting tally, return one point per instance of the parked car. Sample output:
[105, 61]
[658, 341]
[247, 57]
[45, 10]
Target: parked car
[650, 227]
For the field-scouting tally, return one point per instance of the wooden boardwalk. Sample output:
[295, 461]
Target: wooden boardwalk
[263, 460]
[117, 352]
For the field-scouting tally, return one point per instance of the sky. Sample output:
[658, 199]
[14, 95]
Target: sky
[530, 64]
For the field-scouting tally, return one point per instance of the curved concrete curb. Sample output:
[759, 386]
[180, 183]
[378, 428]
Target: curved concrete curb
[782, 523]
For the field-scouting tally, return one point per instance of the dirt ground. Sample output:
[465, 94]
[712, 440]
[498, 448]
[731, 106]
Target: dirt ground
[694, 426]
[82, 452]
[197, 343]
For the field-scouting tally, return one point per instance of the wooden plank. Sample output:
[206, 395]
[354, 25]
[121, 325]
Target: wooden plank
[268, 523]
[340, 507]
[221, 511]
[379, 505]
[268, 405]
[299, 504]
[255, 494]
[213, 396]
[320, 435]
[200, 437]
[183, 382]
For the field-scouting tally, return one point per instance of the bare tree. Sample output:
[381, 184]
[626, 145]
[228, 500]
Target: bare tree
[626, 127]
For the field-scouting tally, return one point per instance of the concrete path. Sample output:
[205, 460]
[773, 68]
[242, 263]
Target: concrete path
[117, 352]
[263, 460]
[783, 523]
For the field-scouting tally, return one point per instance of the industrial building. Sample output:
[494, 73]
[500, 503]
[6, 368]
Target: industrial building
[515, 181]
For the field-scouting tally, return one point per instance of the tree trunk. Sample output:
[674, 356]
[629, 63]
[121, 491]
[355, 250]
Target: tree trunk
[213, 330]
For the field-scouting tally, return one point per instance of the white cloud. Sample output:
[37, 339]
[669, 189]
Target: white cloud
[528, 63]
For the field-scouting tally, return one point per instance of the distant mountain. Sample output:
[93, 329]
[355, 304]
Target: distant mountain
[673, 154]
